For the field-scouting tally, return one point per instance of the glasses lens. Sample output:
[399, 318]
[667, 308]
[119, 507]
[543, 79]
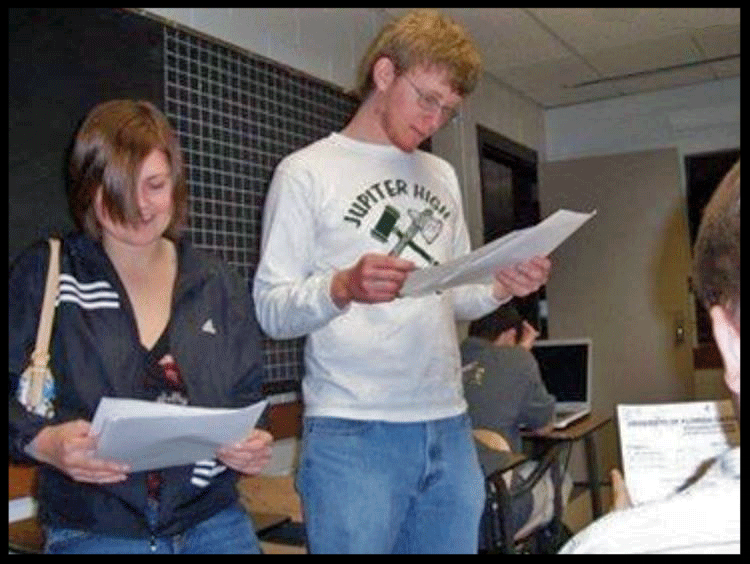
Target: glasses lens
[430, 104]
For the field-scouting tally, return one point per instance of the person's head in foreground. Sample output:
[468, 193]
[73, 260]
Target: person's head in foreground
[704, 516]
[717, 273]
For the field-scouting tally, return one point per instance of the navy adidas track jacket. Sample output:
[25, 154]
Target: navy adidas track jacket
[96, 352]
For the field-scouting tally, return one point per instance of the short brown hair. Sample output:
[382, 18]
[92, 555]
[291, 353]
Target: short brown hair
[423, 38]
[716, 267]
[109, 148]
[492, 325]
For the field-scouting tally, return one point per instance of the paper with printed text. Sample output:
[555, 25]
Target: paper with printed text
[666, 446]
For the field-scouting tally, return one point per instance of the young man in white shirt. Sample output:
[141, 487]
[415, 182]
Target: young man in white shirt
[388, 463]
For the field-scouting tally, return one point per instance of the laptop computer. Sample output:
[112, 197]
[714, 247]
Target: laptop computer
[566, 369]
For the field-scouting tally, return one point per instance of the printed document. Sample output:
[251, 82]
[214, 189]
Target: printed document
[479, 266]
[149, 435]
[665, 447]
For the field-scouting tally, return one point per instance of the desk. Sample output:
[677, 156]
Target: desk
[581, 429]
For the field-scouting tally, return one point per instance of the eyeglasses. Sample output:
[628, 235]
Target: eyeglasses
[431, 104]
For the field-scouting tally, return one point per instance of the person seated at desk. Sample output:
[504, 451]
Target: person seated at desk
[705, 516]
[505, 392]
[140, 314]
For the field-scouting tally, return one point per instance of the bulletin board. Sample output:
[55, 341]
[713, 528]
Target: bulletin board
[237, 115]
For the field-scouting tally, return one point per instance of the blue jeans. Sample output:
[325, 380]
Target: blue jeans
[378, 487]
[228, 532]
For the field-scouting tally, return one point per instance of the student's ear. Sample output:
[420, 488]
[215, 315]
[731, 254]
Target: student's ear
[98, 204]
[383, 73]
[727, 337]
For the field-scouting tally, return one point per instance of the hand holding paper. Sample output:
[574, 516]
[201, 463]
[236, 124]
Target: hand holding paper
[375, 278]
[620, 494]
[69, 447]
[522, 279]
[250, 455]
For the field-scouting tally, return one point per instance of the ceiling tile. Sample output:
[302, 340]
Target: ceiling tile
[550, 83]
[666, 79]
[718, 41]
[696, 18]
[593, 29]
[727, 69]
[643, 56]
[508, 37]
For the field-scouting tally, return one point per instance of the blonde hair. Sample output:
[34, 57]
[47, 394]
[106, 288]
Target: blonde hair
[424, 38]
[110, 146]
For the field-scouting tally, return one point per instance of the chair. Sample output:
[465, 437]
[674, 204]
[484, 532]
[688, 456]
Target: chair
[544, 531]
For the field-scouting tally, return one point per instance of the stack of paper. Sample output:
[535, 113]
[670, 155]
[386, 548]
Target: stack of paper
[148, 435]
[480, 266]
[667, 446]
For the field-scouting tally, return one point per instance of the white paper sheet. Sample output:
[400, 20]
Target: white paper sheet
[665, 445]
[149, 435]
[479, 266]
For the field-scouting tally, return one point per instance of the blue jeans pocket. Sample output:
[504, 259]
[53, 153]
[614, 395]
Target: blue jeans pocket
[334, 426]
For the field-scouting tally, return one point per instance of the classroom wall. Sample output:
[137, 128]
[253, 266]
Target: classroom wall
[695, 119]
[622, 280]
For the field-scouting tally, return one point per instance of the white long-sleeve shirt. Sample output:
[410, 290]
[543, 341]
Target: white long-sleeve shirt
[328, 204]
[702, 519]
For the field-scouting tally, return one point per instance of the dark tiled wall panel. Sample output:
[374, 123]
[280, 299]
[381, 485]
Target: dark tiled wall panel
[237, 115]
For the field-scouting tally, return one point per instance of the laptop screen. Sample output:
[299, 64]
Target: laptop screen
[565, 367]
